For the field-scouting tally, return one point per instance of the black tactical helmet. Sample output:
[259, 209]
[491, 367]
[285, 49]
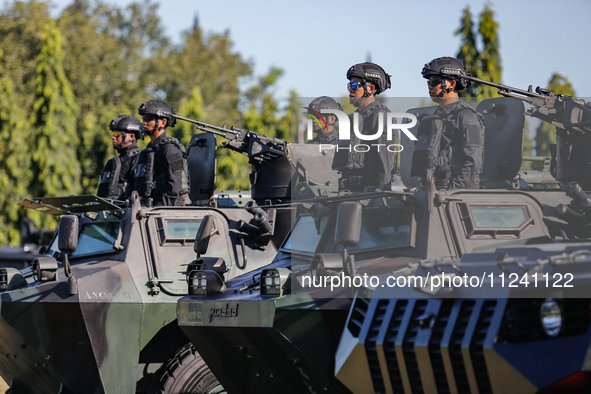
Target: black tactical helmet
[324, 102]
[128, 124]
[447, 68]
[151, 107]
[372, 73]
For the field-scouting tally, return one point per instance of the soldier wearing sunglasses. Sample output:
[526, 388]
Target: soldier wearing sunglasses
[118, 174]
[461, 149]
[365, 169]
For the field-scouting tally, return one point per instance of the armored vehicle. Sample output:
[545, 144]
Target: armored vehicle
[337, 311]
[96, 313]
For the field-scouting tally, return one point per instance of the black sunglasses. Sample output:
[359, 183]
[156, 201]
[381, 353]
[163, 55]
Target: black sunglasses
[434, 82]
[148, 118]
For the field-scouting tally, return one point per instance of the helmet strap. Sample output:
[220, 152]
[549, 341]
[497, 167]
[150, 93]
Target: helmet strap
[444, 89]
[155, 129]
[123, 137]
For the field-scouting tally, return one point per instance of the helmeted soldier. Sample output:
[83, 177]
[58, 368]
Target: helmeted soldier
[117, 180]
[162, 175]
[363, 170]
[461, 148]
[323, 124]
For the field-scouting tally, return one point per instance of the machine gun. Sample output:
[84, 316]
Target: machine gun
[571, 156]
[565, 112]
[257, 147]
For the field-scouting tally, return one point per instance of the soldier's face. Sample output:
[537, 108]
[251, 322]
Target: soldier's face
[434, 85]
[116, 138]
[149, 122]
[358, 93]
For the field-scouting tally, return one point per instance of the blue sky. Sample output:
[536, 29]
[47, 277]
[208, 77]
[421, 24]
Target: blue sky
[315, 42]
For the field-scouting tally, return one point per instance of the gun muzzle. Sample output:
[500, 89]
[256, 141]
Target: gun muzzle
[260, 220]
[575, 191]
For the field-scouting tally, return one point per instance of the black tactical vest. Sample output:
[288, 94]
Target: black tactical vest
[112, 185]
[431, 151]
[349, 159]
[146, 183]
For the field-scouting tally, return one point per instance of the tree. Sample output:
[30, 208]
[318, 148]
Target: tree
[15, 174]
[191, 108]
[486, 63]
[206, 61]
[546, 133]
[468, 54]
[56, 171]
[110, 46]
[490, 58]
[20, 30]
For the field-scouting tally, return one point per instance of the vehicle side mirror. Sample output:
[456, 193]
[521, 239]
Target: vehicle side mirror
[203, 235]
[67, 240]
[348, 227]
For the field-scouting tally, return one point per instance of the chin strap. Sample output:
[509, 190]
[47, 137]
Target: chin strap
[358, 102]
[155, 129]
[152, 131]
[444, 90]
[123, 137]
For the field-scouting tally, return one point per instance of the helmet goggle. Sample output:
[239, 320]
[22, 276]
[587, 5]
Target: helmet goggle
[117, 133]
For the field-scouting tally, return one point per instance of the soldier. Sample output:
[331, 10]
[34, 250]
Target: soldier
[117, 180]
[326, 132]
[462, 140]
[162, 175]
[362, 169]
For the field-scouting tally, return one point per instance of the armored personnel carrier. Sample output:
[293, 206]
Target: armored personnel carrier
[96, 313]
[331, 313]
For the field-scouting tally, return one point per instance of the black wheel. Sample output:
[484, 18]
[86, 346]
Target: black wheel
[186, 372]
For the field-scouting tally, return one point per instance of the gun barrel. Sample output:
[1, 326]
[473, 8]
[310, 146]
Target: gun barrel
[222, 131]
[505, 89]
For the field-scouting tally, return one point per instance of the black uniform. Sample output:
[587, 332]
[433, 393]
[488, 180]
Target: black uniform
[372, 168]
[329, 138]
[162, 173]
[463, 137]
[117, 180]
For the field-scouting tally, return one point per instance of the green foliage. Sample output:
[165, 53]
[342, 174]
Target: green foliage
[206, 61]
[15, 171]
[191, 108]
[261, 116]
[490, 58]
[55, 140]
[468, 54]
[20, 44]
[527, 149]
[486, 63]
[546, 133]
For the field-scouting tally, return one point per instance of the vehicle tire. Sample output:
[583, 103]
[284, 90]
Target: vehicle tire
[186, 372]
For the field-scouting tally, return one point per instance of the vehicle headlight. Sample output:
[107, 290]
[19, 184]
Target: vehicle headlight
[276, 282]
[551, 317]
[45, 269]
[205, 282]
